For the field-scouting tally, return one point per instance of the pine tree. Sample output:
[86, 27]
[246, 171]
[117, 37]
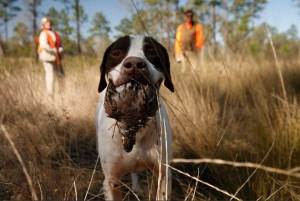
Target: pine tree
[8, 10]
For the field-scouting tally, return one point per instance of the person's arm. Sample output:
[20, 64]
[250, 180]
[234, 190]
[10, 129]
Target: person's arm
[60, 49]
[199, 37]
[177, 47]
[58, 43]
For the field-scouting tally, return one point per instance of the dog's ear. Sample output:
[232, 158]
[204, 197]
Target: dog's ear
[168, 81]
[161, 60]
[122, 45]
[102, 83]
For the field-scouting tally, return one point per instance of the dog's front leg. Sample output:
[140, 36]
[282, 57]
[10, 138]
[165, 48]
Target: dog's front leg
[112, 188]
[136, 186]
[164, 153]
[164, 186]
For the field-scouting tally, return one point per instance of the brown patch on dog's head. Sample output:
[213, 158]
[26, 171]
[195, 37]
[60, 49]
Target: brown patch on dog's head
[159, 57]
[113, 55]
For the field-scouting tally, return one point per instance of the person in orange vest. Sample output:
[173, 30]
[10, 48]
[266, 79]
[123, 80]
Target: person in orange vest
[189, 41]
[50, 50]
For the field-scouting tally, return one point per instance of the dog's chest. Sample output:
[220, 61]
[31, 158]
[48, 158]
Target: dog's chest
[143, 154]
[141, 158]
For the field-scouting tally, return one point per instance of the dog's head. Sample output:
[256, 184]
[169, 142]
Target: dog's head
[132, 69]
[135, 58]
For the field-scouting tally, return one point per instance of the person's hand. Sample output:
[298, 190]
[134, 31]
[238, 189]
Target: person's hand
[60, 50]
[178, 59]
[54, 50]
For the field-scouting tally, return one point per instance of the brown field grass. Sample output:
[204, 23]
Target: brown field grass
[234, 111]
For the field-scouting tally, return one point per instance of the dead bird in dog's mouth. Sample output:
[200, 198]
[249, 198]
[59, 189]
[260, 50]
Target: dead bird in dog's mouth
[132, 104]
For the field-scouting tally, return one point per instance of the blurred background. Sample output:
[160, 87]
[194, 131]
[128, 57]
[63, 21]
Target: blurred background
[88, 26]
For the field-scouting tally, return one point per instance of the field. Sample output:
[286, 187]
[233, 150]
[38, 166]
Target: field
[243, 111]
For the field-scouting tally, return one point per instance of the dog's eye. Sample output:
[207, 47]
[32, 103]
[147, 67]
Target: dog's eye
[116, 53]
[150, 51]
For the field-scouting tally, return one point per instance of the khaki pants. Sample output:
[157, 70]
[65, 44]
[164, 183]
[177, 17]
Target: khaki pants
[51, 68]
[190, 60]
[49, 76]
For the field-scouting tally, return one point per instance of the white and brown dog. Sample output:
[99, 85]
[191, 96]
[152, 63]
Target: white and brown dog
[133, 129]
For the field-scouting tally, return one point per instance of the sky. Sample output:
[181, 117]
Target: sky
[278, 13]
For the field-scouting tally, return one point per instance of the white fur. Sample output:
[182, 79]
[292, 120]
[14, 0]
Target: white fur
[136, 50]
[153, 147]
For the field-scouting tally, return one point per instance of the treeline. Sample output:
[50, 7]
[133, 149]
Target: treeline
[229, 25]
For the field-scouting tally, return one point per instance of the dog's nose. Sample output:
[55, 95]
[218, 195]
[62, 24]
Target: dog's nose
[134, 63]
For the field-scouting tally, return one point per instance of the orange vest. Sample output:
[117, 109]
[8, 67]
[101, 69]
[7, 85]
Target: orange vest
[51, 43]
[195, 35]
[188, 38]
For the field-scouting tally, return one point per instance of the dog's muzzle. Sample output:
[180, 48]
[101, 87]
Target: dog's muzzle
[132, 101]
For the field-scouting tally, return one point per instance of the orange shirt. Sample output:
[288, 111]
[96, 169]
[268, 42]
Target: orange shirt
[199, 37]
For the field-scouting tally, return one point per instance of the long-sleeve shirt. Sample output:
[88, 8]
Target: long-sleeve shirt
[49, 41]
[44, 40]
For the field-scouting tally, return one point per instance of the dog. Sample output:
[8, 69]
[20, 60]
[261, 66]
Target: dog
[132, 125]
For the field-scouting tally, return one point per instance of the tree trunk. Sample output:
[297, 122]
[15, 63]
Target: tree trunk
[34, 28]
[77, 26]
[2, 46]
[168, 27]
[5, 45]
[6, 31]
[214, 29]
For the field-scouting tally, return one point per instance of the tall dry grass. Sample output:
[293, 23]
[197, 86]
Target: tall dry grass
[233, 111]
[237, 112]
[55, 136]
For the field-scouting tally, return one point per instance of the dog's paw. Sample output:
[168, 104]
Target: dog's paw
[102, 193]
[138, 189]
[136, 186]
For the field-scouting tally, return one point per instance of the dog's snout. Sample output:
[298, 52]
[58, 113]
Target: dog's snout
[132, 63]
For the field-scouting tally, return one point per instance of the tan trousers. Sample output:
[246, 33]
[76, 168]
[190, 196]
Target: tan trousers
[190, 60]
[49, 76]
